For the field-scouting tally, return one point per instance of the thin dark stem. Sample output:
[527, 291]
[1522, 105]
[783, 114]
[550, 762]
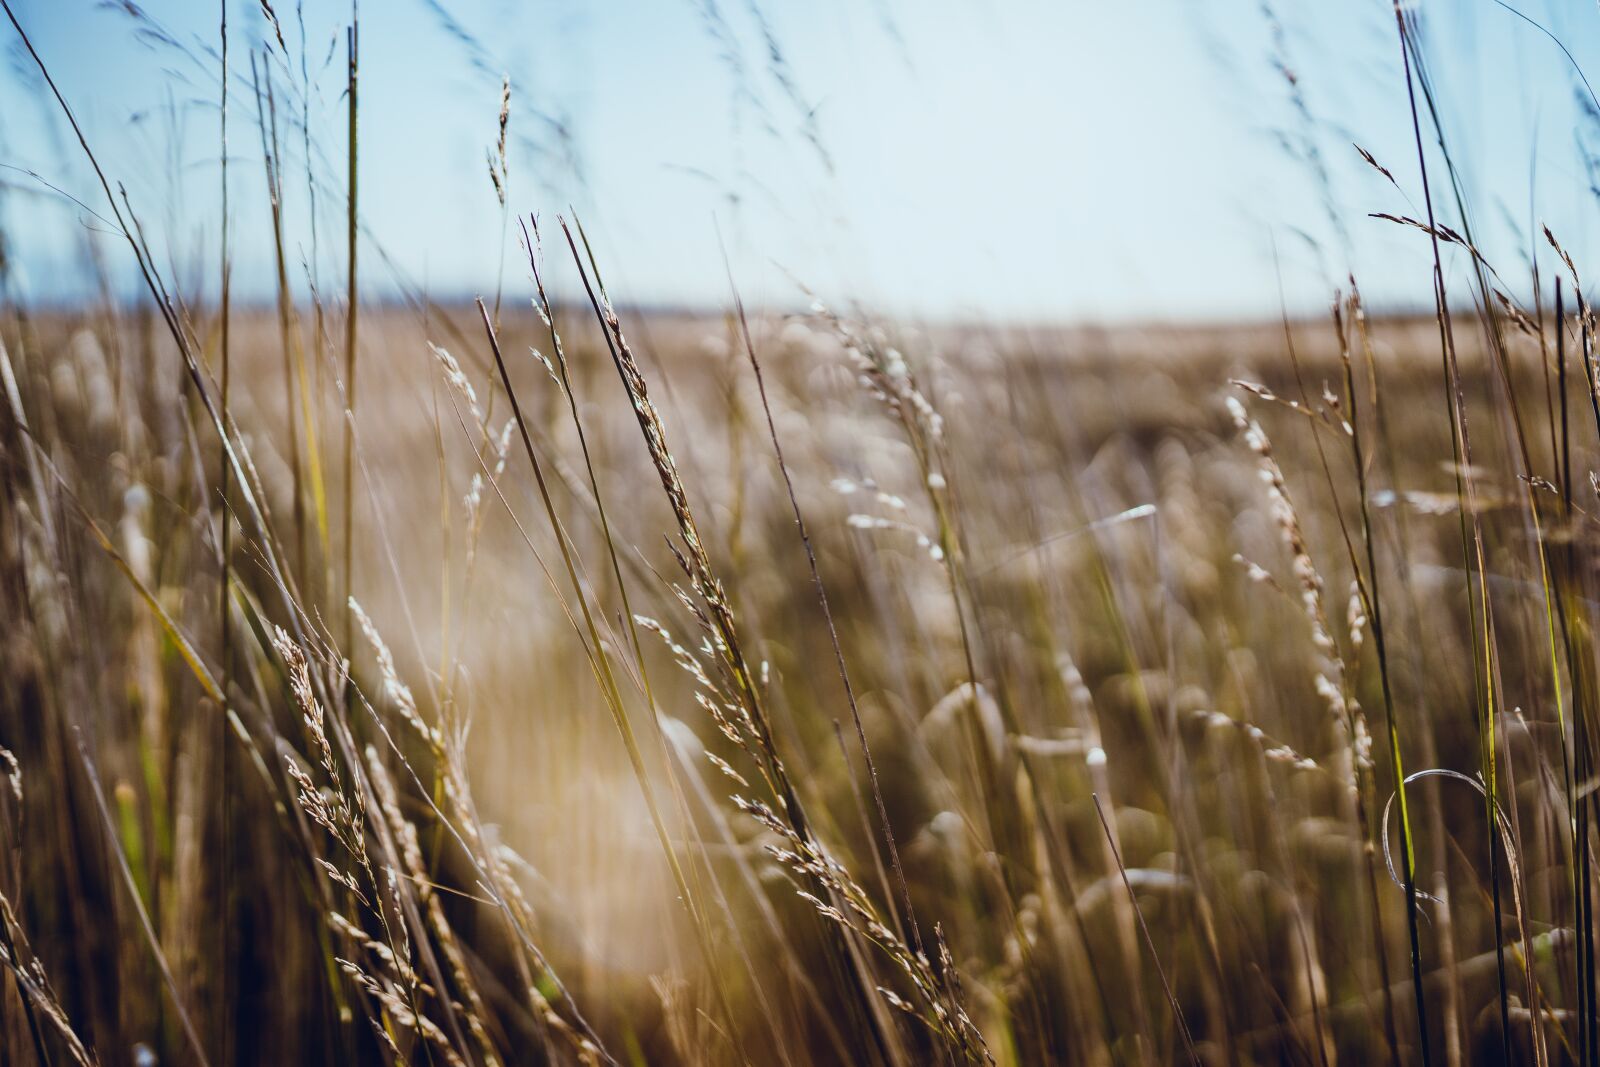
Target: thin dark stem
[224, 602]
[352, 43]
[833, 630]
[1177, 1010]
[1442, 310]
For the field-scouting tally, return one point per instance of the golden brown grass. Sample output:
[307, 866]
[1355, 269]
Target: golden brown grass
[1072, 521]
[791, 689]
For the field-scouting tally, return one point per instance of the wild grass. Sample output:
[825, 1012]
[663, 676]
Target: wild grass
[788, 688]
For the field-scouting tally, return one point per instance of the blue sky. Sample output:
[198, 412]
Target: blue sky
[944, 158]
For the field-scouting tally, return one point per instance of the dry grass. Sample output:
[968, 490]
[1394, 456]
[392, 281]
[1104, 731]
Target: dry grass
[793, 689]
[1122, 645]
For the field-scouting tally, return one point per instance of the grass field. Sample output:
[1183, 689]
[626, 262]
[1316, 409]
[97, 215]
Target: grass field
[539, 680]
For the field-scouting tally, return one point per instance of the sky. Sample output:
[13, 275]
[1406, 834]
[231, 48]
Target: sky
[960, 159]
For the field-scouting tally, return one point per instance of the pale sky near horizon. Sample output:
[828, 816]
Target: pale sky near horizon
[944, 158]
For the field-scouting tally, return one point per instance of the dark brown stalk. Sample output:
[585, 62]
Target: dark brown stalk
[601, 662]
[1155, 957]
[224, 596]
[833, 630]
[718, 615]
[352, 43]
[1443, 313]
